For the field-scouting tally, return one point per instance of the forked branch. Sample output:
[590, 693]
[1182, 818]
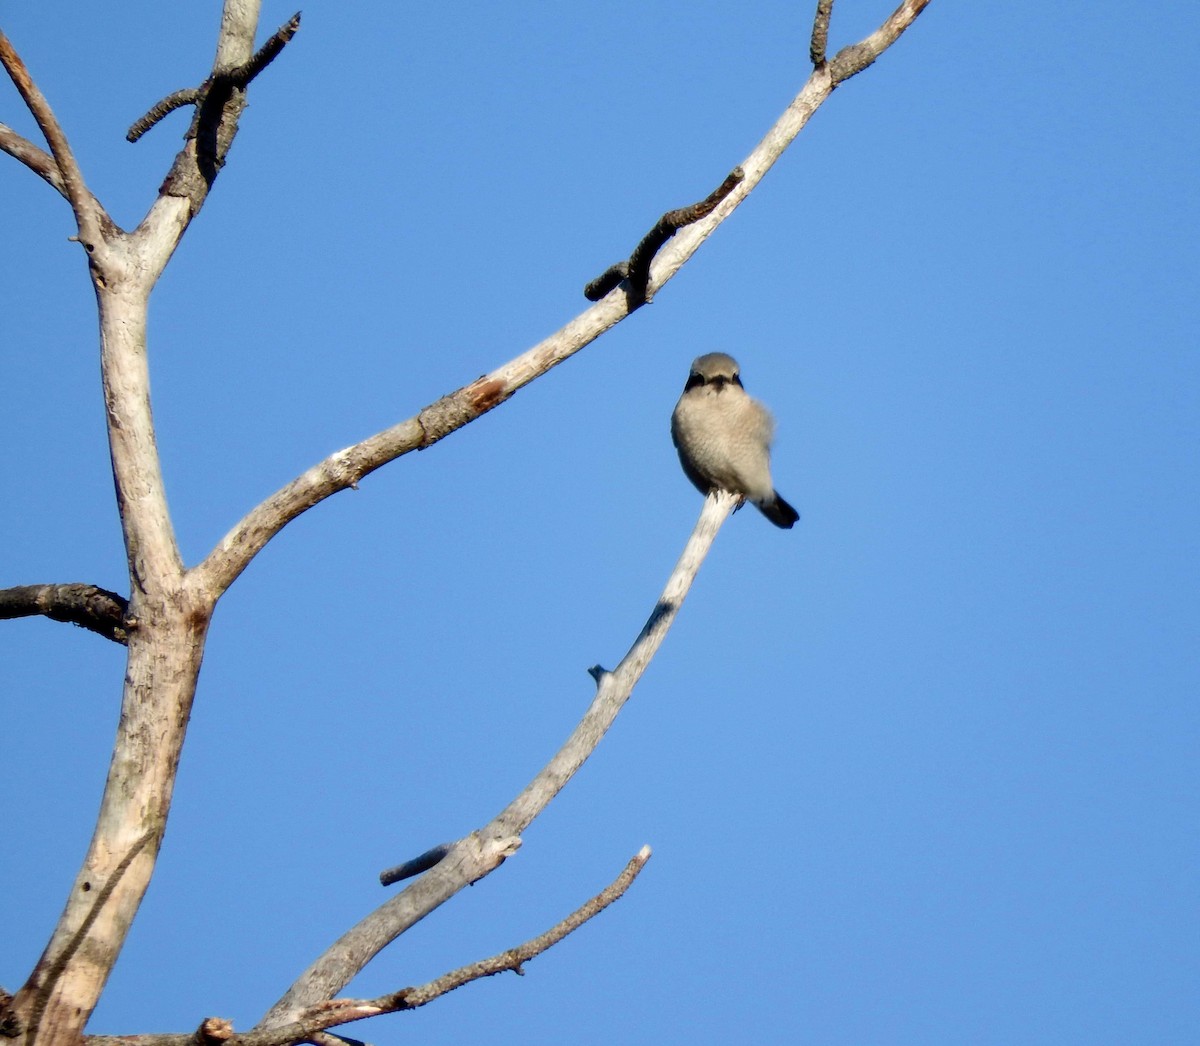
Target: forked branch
[513, 959]
[308, 1025]
[238, 78]
[88, 212]
[473, 857]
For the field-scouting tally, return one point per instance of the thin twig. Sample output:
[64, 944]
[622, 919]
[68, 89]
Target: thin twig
[87, 209]
[186, 96]
[265, 55]
[87, 606]
[416, 866]
[514, 958]
[37, 160]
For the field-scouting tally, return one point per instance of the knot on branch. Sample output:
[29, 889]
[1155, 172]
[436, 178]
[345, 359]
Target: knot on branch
[850, 61]
[213, 1031]
[635, 272]
[490, 851]
[219, 85]
[460, 407]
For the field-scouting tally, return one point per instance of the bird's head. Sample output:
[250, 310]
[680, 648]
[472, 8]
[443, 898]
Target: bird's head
[715, 370]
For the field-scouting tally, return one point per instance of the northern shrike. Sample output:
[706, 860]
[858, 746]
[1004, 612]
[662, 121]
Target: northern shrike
[724, 437]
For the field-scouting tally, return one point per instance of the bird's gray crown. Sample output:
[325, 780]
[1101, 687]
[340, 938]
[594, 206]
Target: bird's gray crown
[715, 365]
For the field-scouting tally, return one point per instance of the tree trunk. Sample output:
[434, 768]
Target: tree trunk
[167, 623]
[160, 681]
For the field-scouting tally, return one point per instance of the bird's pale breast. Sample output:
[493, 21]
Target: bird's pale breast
[725, 437]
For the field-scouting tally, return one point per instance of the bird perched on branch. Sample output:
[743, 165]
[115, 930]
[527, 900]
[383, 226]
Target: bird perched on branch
[724, 437]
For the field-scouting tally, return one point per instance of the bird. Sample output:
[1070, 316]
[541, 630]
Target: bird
[724, 437]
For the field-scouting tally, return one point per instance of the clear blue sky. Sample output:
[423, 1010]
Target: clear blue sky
[922, 770]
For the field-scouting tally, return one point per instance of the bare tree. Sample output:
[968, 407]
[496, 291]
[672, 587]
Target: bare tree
[164, 619]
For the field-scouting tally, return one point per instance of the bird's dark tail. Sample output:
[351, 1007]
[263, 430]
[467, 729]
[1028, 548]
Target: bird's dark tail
[779, 511]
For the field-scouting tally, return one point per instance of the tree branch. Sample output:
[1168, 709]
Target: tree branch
[160, 109]
[89, 214]
[313, 1022]
[218, 103]
[343, 469]
[265, 55]
[513, 959]
[95, 609]
[235, 40]
[636, 270]
[37, 160]
[416, 866]
[481, 852]
[238, 78]
[614, 688]
[820, 32]
[852, 60]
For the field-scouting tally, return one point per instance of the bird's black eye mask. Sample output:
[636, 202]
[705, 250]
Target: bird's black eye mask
[718, 382]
